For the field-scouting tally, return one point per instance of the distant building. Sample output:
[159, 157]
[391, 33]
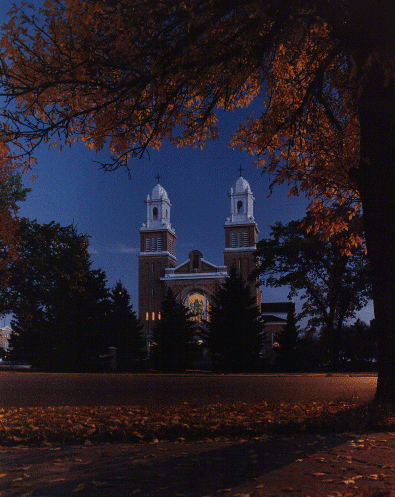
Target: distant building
[195, 280]
[5, 336]
[274, 316]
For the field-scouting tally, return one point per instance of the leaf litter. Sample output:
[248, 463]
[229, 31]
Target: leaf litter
[86, 425]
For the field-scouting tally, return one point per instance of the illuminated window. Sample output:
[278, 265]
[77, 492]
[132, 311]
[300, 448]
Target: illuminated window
[147, 316]
[198, 306]
[153, 316]
[159, 316]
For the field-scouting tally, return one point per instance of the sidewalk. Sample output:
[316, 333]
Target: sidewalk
[314, 465]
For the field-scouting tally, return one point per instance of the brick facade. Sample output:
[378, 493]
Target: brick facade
[196, 278]
[151, 290]
[240, 244]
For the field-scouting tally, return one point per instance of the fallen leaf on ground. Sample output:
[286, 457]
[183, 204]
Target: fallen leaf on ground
[101, 484]
[65, 425]
[79, 488]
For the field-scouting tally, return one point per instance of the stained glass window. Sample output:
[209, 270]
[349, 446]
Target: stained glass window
[198, 306]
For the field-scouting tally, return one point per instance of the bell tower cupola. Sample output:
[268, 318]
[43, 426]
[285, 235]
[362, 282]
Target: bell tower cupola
[241, 203]
[157, 253]
[158, 209]
[241, 234]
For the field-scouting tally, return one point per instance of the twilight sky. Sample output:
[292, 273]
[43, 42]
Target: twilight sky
[109, 207]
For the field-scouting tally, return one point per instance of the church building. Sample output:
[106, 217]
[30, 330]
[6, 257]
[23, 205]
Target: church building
[195, 280]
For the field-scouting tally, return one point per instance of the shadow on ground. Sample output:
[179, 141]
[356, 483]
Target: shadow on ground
[350, 451]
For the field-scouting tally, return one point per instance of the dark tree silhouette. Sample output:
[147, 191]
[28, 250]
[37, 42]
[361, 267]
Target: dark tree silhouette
[358, 347]
[125, 329]
[288, 340]
[59, 304]
[235, 327]
[132, 75]
[332, 285]
[173, 335]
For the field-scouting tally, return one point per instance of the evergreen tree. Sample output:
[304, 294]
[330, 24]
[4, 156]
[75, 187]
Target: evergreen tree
[59, 303]
[288, 339]
[173, 335]
[235, 327]
[125, 328]
[80, 320]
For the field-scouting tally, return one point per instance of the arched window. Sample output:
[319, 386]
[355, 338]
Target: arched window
[198, 306]
[239, 207]
[155, 213]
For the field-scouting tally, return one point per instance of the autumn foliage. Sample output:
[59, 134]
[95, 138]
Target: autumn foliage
[317, 74]
[79, 425]
[114, 74]
[38, 426]
[11, 191]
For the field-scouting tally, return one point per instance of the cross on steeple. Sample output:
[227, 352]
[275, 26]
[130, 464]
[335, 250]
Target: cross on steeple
[241, 169]
[158, 178]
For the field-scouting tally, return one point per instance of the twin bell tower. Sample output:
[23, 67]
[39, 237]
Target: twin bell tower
[196, 280]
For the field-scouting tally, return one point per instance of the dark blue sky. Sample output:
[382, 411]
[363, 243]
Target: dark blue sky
[110, 207]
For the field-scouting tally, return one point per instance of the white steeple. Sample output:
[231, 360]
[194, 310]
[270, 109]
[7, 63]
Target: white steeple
[241, 203]
[158, 209]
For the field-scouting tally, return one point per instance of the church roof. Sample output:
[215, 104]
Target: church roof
[277, 307]
[158, 192]
[242, 186]
[271, 319]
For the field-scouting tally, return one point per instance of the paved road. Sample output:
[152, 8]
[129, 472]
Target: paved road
[34, 389]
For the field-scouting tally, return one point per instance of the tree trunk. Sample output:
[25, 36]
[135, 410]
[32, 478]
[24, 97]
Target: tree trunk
[335, 346]
[376, 182]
